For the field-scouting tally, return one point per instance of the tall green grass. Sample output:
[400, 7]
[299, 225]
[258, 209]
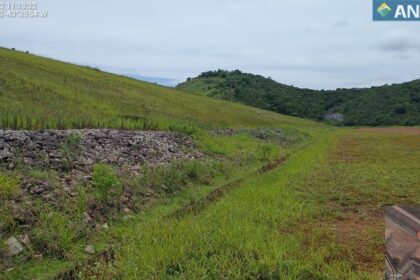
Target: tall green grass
[38, 93]
[283, 225]
[236, 238]
[24, 121]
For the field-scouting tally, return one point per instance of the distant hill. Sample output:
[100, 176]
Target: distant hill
[397, 104]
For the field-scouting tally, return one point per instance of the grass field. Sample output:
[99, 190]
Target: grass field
[318, 215]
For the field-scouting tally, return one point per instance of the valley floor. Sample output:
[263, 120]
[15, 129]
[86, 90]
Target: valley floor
[318, 216]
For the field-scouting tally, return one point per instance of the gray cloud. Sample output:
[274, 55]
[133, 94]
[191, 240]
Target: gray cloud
[400, 41]
[317, 44]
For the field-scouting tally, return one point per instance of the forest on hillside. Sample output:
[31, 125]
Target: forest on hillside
[396, 104]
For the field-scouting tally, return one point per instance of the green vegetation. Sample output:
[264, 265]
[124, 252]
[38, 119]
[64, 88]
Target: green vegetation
[316, 217]
[55, 232]
[61, 231]
[397, 104]
[70, 150]
[234, 214]
[40, 93]
[106, 182]
[173, 177]
[9, 187]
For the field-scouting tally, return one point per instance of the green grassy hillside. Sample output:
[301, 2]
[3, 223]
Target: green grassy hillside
[37, 92]
[397, 104]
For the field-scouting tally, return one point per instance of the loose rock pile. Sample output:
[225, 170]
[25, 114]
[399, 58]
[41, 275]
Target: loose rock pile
[69, 155]
[84, 148]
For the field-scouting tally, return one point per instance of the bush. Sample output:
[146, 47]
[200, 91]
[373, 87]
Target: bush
[106, 182]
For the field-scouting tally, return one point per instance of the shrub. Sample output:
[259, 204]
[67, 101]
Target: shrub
[106, 182]
[73, 140]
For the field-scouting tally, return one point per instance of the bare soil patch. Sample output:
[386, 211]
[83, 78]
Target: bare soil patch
[358, 236]
[397, 130]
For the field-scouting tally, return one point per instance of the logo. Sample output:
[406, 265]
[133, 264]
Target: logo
[396, 10]
[384, 10]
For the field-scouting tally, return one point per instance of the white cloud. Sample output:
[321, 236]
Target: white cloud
[318, 44]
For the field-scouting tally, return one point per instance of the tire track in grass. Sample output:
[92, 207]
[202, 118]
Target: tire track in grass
[194, 207]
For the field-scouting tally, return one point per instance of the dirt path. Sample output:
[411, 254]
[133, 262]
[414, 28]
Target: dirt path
[397, 130]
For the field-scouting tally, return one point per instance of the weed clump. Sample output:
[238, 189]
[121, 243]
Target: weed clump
[175, 176]
[167, 178]
[265, 152]
[106, 182]
[9, 187]
[70, 150]
[54, 233]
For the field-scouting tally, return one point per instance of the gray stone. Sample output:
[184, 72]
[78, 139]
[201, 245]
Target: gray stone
[15, 247]
[132, 148]
[5, 154]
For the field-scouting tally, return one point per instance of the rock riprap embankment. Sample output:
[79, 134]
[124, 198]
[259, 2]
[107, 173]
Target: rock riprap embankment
[66, 150]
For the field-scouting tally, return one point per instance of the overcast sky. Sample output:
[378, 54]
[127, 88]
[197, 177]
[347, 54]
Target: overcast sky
[316, 44]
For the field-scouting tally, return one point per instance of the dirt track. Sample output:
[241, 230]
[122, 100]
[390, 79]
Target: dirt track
[398, 130]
